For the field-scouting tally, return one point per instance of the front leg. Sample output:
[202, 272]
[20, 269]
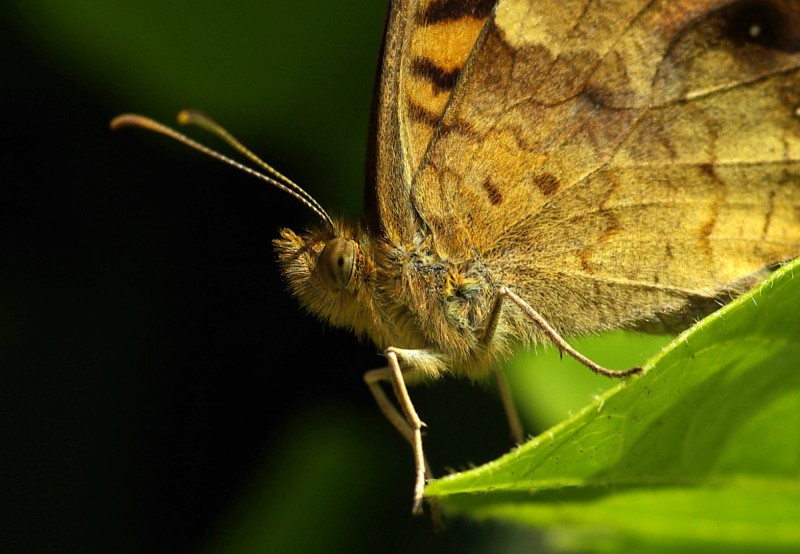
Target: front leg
[408, 423]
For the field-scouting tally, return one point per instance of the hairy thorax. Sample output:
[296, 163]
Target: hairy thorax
[437, 310]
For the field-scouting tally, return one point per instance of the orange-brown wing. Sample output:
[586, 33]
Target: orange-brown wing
[623, 162]
[426, 44]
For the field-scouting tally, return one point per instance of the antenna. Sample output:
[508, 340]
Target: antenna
[194, 117]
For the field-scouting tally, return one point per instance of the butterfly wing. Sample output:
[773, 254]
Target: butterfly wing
[426, 44]
[621, 162]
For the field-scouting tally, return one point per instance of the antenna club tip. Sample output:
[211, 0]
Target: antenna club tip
[184, 117]
[192, 116]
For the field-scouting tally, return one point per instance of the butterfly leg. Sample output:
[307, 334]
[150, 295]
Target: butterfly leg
[408, 424]
[559, 341]
[514, 423]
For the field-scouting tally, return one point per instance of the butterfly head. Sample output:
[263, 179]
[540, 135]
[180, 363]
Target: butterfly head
[331, 272]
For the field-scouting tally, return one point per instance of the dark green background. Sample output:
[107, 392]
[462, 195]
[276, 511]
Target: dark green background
[142, 407]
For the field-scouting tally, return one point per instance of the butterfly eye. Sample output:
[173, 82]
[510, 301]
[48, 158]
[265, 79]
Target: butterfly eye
[336, 262]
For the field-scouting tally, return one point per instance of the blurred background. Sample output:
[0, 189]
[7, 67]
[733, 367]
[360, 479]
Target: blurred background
[159, 390]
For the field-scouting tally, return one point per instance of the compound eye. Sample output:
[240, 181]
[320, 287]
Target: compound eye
[336, 262]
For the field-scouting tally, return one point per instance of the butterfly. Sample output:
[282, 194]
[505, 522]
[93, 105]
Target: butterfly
[549, 168]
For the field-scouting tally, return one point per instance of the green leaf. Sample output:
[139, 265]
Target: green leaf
[701, 451]
[548, 387]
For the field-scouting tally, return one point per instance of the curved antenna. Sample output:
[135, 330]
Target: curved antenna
[192, 117]
[196, 117]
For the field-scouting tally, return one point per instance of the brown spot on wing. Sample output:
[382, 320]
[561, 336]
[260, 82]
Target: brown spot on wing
[708, 227]
[440, 79]
[705, 232]
[768, 215]
[495, 196]
[450, 10]
[420, 114]
[547, 183]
